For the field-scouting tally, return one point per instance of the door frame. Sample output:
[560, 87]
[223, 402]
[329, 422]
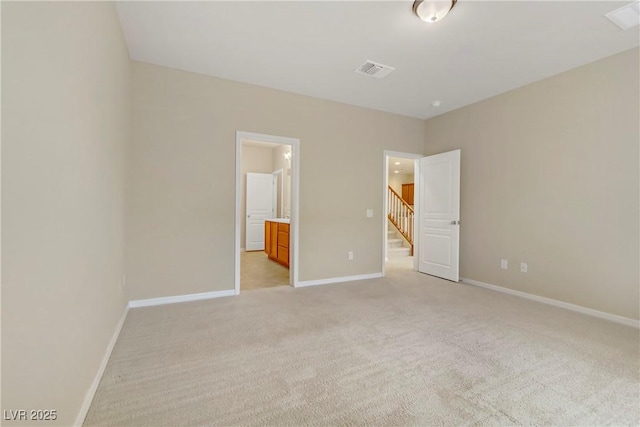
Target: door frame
[416, 201]
[295, 197]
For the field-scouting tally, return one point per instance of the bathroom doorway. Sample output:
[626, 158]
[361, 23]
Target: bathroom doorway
[266, 211]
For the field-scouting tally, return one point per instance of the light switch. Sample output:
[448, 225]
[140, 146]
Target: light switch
[369, 213]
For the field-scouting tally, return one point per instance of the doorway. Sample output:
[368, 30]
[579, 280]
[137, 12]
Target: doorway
[400, 201]
[267, 192]
[434, 220]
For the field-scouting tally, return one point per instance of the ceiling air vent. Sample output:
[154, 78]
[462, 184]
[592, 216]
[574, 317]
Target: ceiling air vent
[374, 69]
[627, 16]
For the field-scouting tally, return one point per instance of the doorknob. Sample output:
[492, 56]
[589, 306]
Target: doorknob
[455, 222]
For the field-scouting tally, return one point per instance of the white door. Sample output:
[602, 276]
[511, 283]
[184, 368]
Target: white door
[259, 207]
[440, 215]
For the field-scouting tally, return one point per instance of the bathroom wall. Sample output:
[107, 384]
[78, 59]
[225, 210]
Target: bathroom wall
[279, 162]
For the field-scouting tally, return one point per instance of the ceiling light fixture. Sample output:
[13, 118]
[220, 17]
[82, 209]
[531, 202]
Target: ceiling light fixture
[396, 171]
[396, 163]
[432, 10]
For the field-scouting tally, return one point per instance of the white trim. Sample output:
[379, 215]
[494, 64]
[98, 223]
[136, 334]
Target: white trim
[180, 298]
[417, 191]
[88, 397]
[568, 306]
[295, 200]
[416, 198]
[238, 248]
[295, 212]
[385, 202]
[339, 279]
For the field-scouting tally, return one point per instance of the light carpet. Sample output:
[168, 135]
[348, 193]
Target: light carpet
[407, 349]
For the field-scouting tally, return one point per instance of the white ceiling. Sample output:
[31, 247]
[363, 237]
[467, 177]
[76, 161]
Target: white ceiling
[405, 166]
[481, 49]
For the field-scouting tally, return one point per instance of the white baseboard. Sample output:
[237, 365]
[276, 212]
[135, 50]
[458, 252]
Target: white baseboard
[180, 298]
[338, 280]
[88, 397]
[556, 303]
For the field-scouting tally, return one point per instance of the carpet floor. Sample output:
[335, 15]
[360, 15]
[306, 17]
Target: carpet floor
[407, 349]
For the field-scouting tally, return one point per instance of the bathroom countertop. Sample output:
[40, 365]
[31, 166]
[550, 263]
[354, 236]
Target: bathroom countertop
[282, 220]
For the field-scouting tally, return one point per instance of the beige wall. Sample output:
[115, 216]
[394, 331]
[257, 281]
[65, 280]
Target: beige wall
[550, 177]
[256, 160]
[181, 201]
[65, 125]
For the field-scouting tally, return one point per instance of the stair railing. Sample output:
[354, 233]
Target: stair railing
[400, 213]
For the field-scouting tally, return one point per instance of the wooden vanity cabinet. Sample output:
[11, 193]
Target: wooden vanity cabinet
[276, 241]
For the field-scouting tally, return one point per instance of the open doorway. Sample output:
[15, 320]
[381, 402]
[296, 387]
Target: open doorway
[432, 222]
[266, 211]
[400, 203]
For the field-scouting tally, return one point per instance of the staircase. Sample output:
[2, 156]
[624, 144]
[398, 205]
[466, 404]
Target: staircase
[397, 246]
[399, 226]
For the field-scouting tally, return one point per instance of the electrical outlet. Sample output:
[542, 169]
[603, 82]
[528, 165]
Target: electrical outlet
[350, 256]
[504, 264]
[124, 282]
[369, 213]
[523, 267]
